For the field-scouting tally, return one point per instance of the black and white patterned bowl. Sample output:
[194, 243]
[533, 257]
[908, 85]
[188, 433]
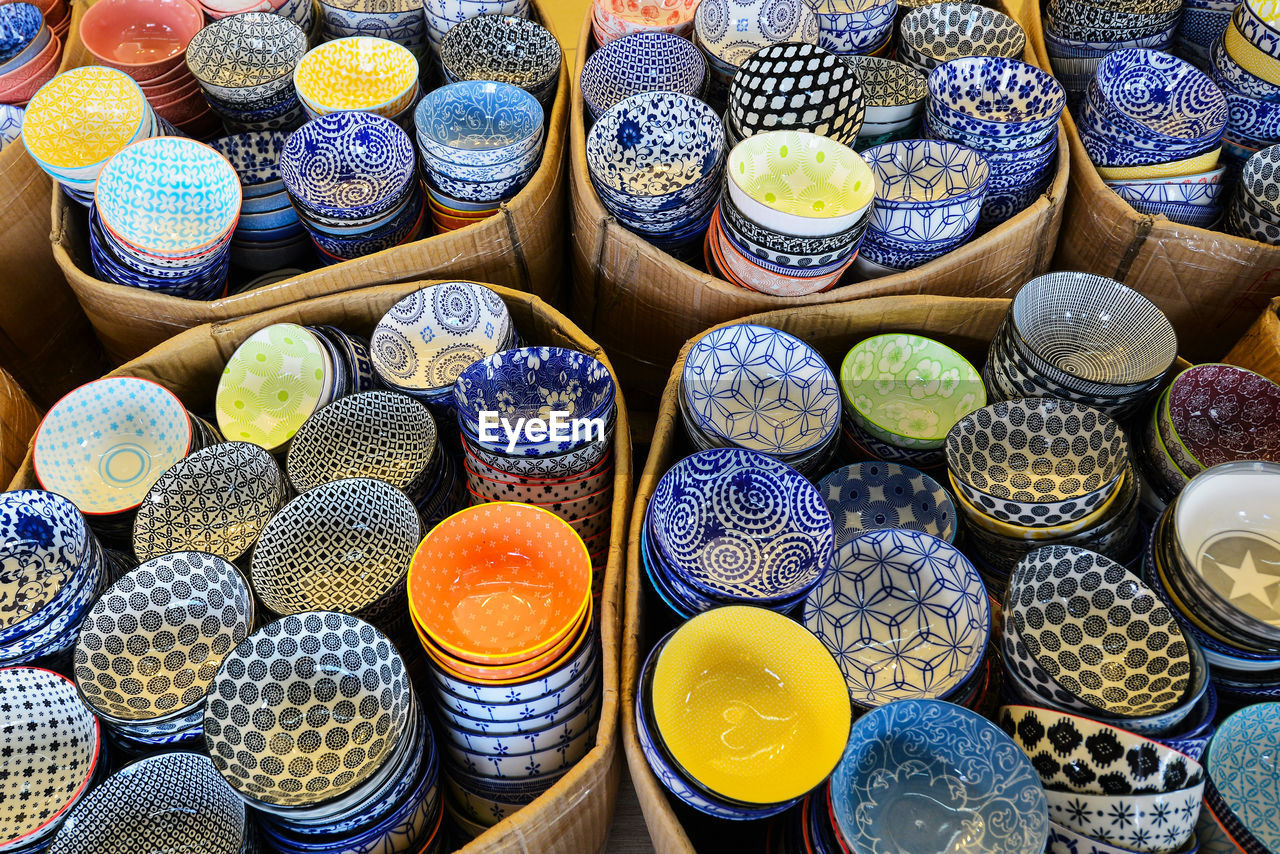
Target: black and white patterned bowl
[501, 48]
[50, 746]
[1097, 631]
[893, 91]
[641, 62]
[153, 642]
[217, 500]
[307, 708]
[940, 32]
[796, 86]
[169, 802]
[1037, 461]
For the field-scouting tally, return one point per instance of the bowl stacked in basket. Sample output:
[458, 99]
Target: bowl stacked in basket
[30, 52]
[1079, 33]
[1244, 60]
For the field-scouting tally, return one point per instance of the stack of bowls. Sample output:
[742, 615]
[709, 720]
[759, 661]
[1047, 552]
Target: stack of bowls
[641, 62]
[401, 21]
[58, 569]
[944, 761]
[1202, 25]
[793, 213]
[894, 97]
[729, 31]
[1083, 763]
[268, 235]
[702, 546]
[30, 52]
[57, 14]
[941, 32]
[162, 218]
[1151, 116]
[245, 65]
[90, 448]
[444, 15]
[79, 119]
[715, 667]
[1145, 676]
[928, 197]
[507, 50]
[794, 86]
[1082, 338]
[907, 617]
[1210, 414]
[1254, 212]
[1007, 111]
[471, 574]
[521, 387]
[353, 182]
[280, 375]
[616, 19]
[1079, 33]
[55, 755]
[1245, 63]
[364, 775]
[1241, 789]
[480, 143]
[788, 407]
[147, 39]
[10, 124]
[655, 160]
[144, 666]
[427, 339]
[902, 394]
[873, 495]
[360, 73]
[856, 27]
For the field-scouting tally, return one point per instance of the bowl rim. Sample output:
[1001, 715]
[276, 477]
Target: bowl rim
[813, 142]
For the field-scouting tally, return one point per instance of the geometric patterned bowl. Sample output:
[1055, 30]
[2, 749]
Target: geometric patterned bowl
[1240, 763]
[796, 87]
[940, 32]
[864, 496]
[1154, 823]
[642, 62]
[50, 744]
[729, 31]
[905, 614]
[357, 73]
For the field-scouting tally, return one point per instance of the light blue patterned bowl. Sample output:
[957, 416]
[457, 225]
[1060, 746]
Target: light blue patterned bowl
[272, 201]
[740, 526]
[993, 96]
[467, 188]
[348, 165]
[904, 613]
[1244, 777]
[1151, 95]
[925, 775]
[871, 495]
[478, 122]
[641, 62]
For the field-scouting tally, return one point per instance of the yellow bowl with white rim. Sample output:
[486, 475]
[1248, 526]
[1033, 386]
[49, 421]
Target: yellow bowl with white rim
[79, 119]
[799, 183]
[358, 73]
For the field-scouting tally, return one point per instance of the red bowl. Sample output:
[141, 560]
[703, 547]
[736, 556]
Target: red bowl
[20, 84]
[142, 38]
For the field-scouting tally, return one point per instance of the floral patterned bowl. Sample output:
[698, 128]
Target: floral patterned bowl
[478, 123]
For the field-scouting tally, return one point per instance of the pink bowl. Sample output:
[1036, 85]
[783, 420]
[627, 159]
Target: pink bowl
[143, 38]
[169, 94]
[183, 109]
[20, 84]
[178, 74]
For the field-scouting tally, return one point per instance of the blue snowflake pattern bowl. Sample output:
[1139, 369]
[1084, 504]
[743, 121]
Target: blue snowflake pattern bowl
[478, 122]
[928, 776]
[348, 165]
[740, 526]
[641, 62]
[904, 613]
[872, 495]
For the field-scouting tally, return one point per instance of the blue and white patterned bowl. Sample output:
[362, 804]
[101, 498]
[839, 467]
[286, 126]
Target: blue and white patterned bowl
[740, 526]
[10, 124]
[1152, 95]
[1244, 779]
[994, 96]
[19, 25]
[1230, 75]
[917, 773]
[731, 30]
[348, 165]
[872, 495]
[641, 62]
[478, 122]
[926, 190]
[256, 158]
[851, 27]
[45, 554]
[905, 615]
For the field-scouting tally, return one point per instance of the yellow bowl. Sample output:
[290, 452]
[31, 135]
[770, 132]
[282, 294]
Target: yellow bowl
[1190, 166]
[82, 117]
[1019, 532]
[750, 704]
[358, 73]
[1249, 56]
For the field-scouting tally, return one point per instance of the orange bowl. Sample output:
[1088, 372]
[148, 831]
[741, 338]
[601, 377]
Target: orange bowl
[500, 583]
[472, 672]
[142, 38]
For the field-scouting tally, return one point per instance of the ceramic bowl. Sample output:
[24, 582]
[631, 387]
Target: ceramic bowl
[428, 338]
[509, 673]
[892, 91]
[80, 118]
[451, 584]
[1062, 598]
[789, 405]
[902, 759]
[873, 495]
[89, 449]
[348, 166]
[143, 38]
[905, 614]
[908, 390]
[926, 190]
[857, 27]
[1155, 823]
[357, 73]
[543, 691]
[18, 28]
[200, 810]
[478, 123]
[256, 158]
[22, 81]
[726, 660]
[641, 62]
[799, 183]
[1075, 754]
[569, 464]
[782, 542]
[729, 32]
[45, 552]
[55, 746]
[1242, 779]
[139, 658]
[796, 86]
[359, 723]
[501, 48]
[972, 94]
[246, 58]
[1175, 103]
[940, 32]
[1221, 413]
[342, 546]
